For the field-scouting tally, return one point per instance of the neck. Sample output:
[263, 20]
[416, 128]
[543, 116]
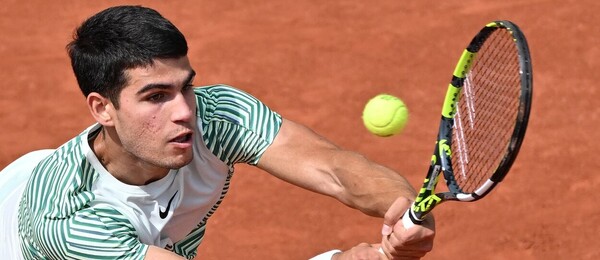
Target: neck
[121, 164]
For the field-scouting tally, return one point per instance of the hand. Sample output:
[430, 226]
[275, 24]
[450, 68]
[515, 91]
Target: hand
[362, 251]
[400, 243]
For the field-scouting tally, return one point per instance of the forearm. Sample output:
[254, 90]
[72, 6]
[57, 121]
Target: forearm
[303, 158]
[366, 185]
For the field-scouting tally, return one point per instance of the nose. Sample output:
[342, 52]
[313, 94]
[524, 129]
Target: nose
[183, 108]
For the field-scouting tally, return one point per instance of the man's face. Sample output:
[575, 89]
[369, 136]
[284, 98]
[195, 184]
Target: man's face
[156, 119]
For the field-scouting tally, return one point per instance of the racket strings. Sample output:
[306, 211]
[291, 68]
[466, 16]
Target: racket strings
[487, 111]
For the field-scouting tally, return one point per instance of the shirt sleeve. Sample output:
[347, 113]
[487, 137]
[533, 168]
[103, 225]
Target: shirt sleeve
[235, 126]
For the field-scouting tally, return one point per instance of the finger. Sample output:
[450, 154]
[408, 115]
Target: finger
[394, 214]
[406, 253]
[411, 246]
[364, 245]
[417, 238]
[418, 235]
[382, 256]
[386, 247]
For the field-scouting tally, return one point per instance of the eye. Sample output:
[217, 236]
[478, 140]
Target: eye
[187, 87]
[156, 97]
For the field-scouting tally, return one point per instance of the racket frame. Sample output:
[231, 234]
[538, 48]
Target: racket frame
[441, 162]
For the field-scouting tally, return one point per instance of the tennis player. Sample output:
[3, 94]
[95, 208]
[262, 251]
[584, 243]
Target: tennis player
[142, 182]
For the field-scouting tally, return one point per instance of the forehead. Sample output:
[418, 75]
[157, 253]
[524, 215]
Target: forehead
[167, 71]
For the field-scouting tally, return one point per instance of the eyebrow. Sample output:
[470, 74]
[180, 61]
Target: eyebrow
[151, 86]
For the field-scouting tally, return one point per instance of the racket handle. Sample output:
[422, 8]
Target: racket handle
[409, 219]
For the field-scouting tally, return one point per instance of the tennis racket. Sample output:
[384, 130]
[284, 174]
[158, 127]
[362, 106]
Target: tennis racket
[483, 122]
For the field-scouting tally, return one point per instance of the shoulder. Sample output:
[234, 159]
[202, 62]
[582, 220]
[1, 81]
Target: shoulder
[224, 98]
[59, 184]
[235, 125]
[218, 90]
[226, 103]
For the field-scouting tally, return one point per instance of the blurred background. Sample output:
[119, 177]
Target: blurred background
[318, 63]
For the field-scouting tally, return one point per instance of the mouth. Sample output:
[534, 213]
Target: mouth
[183, 138]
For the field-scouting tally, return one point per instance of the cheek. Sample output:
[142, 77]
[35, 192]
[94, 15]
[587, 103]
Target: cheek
[138, 126]
[150, 125]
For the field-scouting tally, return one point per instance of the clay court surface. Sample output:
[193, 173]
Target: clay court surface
[318, 62]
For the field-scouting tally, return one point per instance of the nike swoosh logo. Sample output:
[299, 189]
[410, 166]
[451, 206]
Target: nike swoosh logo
[164, 214]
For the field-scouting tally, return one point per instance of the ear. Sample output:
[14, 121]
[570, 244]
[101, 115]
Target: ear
[101, 108]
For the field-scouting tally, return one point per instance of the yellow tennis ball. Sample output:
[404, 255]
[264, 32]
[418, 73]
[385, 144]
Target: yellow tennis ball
[385, 115]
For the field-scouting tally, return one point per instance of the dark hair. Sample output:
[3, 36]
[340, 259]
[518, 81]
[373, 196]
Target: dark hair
[121, 38]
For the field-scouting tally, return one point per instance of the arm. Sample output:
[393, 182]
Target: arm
[301, 157]
[157, 253]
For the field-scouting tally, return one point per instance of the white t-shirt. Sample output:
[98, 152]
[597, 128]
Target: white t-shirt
[73, 208]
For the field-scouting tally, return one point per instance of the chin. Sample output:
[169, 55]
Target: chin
[181, 161]
[175, 164]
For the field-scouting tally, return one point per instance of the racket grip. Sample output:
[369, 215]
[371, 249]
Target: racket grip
[409, 219]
